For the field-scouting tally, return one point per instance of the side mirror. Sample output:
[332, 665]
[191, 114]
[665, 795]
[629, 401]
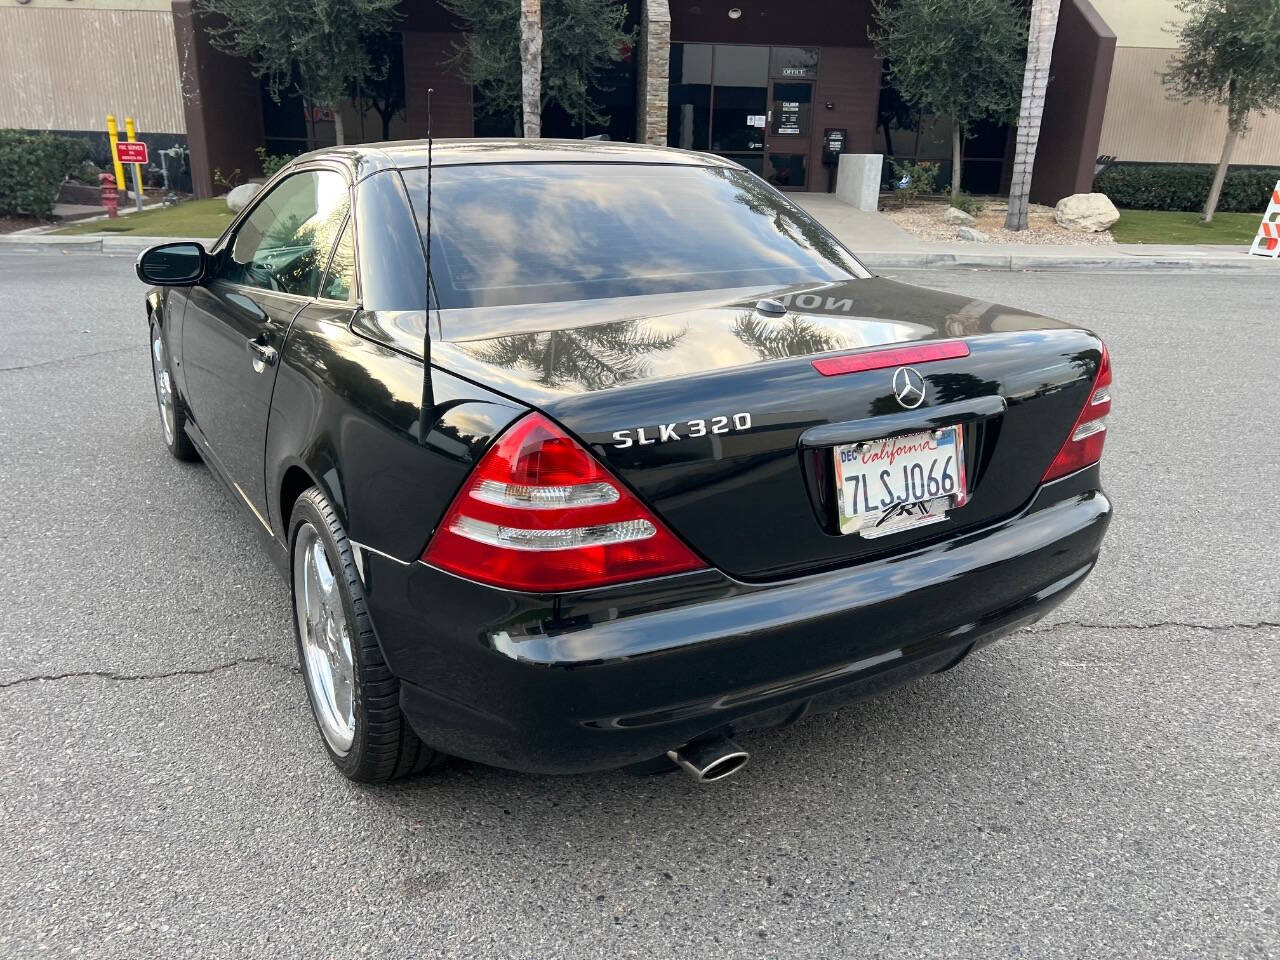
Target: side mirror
[180, 264]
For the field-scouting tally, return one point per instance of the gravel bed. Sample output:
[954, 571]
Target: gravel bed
[925, 221]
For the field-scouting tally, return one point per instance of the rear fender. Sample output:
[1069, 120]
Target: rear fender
[345, 414]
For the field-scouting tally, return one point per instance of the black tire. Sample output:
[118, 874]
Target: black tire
[383, 747]
[173, 434]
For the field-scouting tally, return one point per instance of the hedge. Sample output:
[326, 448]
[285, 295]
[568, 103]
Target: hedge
[1167, 186]
[32, 167]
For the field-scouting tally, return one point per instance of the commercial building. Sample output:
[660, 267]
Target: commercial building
[66, 64]
[1141, 124]
[761, 81]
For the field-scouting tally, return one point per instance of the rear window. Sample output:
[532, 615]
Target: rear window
[541, 232]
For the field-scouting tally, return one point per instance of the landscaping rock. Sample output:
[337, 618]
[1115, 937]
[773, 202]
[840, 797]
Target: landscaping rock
[1086, 212]
[958, 218]
[239, 198]
[970, 233]
[79, 193]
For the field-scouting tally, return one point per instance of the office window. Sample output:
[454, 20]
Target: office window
[741, 78]
[689, 97]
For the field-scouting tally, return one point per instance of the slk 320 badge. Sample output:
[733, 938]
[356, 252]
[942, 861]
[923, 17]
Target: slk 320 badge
[680, 430]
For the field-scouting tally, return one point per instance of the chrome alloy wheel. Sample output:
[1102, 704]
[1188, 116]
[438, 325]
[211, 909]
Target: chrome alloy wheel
[326, 640]
[164, 386]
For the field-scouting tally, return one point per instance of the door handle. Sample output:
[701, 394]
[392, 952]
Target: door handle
[264, 355]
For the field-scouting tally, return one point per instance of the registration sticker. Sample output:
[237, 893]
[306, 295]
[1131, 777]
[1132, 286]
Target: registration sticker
[896, 483]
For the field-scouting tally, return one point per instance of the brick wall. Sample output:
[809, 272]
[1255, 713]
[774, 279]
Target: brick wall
[222, 103]
[849, 79]
[1074, 104]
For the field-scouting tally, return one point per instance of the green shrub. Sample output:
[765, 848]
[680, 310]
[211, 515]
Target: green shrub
[227, 182]
[1169, 186]
[969, 203]
[271, 162]
[921, 178]
[32, 167]
[86, 171]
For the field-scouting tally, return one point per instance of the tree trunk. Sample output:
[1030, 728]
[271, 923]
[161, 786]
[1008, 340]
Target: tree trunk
[309, 123]
[1035, 81]
[957, 158]
[531, 65]
[339, 133]
[1215, 192]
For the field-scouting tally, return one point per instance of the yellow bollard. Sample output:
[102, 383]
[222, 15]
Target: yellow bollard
[131, 134]
[113, 134]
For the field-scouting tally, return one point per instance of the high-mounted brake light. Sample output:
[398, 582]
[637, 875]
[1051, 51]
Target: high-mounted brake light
[891, 357]
[540, 513]
[1083, 446]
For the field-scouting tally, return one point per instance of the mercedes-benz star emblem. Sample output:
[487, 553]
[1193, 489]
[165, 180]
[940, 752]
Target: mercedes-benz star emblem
[908, 387]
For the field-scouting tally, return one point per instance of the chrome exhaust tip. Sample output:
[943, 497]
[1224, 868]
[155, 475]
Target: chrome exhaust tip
[716, 758]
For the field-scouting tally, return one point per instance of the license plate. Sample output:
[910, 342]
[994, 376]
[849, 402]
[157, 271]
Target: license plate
[896, 483]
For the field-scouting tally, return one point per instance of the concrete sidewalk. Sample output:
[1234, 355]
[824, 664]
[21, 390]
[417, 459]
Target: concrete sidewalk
[879, 243]
[858, 230]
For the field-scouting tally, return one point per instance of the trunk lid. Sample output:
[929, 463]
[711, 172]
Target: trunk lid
[633, 378]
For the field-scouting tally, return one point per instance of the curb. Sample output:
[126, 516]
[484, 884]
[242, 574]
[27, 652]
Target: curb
[92, 243]
[16, 243]
[1031, 262]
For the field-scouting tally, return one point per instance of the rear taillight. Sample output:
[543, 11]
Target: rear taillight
[540, 513]
[1084, 444]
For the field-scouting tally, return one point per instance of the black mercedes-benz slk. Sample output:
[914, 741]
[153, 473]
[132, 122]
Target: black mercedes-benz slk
[679, 466]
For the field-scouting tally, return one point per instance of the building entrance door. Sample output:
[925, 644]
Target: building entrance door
[790, 116]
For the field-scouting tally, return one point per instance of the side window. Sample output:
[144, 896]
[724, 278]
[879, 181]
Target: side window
[284, 244]
[341, 279]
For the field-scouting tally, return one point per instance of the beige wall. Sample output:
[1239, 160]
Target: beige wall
[1142, 123]
[1140, 23]
[66, 64]
[162, 6]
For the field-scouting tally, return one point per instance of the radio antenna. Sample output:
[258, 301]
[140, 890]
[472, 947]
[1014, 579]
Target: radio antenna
[428, 396]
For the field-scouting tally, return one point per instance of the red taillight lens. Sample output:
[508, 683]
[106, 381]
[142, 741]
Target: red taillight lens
[540, 513]
[1084, 444]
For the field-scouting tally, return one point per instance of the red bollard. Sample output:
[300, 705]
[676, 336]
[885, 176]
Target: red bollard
[110, 193]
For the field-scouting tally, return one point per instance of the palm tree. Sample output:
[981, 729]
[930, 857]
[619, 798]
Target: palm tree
[531, 66]
[1035, 81]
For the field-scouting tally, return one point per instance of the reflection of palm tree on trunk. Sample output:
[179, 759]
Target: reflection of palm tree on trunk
[595, 357]
[792, 336]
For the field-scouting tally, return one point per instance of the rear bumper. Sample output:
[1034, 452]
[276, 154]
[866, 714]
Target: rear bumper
[614, 677]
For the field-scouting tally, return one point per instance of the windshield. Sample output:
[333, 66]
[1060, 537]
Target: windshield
[544, 232]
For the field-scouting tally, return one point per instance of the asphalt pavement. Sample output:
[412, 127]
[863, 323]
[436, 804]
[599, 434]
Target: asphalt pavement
[1104, 784]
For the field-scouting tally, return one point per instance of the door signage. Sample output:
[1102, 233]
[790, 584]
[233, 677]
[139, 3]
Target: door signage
[788, 117]
[833, 145]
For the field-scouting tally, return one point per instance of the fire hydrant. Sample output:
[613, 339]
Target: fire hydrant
[110, 193]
